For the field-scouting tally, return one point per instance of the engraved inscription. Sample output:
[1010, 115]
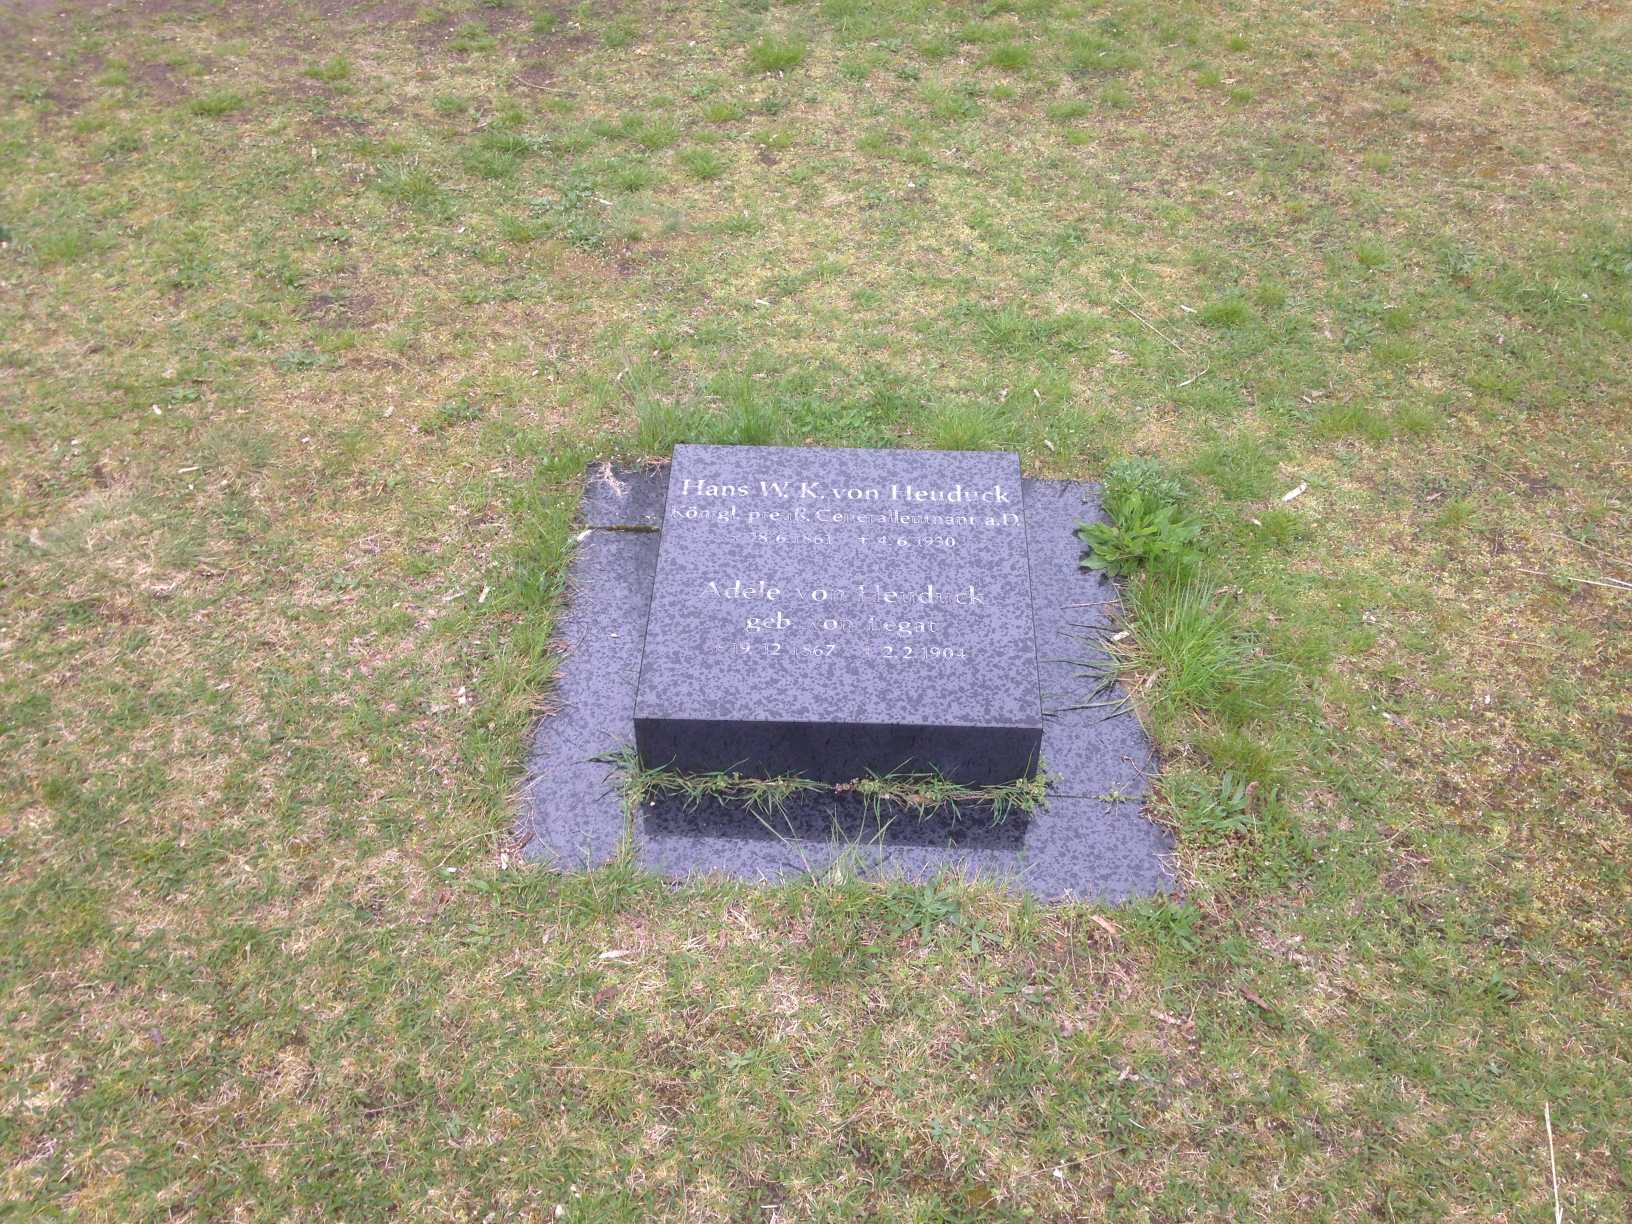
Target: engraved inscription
[880, 599]
[851, 619]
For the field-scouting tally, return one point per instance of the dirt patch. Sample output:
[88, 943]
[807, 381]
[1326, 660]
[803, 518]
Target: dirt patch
[1532, 483]
[390, 12]
[541, 74]
[340, 125]
[72, 78]
[338, 308]
[505, 26]
[544, 55]
[158, 81]
[634, 258]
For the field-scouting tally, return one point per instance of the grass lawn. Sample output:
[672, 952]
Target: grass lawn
[312, 314]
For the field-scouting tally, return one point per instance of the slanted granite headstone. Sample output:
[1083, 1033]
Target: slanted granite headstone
[835, 613]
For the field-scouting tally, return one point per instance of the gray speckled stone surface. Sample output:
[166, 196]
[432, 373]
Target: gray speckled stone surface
[624, 497]
[837, 612]
[1089, 841]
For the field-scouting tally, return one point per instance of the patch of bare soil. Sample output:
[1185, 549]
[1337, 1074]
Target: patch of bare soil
[158, 81]
[374, 12]
[338, 308]
[506, 25]
[339, 125]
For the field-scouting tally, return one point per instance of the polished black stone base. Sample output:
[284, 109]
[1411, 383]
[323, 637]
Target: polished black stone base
[971, 756]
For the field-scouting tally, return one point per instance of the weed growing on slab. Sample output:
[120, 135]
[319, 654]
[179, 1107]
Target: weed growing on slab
[765, 797]
[926, 793]
[919, 794]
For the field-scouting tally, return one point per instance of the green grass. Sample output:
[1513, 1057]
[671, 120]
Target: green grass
[330, 71]
[654, 134]
[774, 53]
[628, 175]
[964, 425]
[303, 359]
[702, 164]
[1186, 640]
[472, 37]
[620, 32]
[417, 188]
[1010, 56]
[919, 795]
[214, 105]
[724, 110]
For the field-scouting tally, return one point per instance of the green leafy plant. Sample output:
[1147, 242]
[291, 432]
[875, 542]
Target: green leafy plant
[1148, 526]
[574, 213]
[1140, 474]
[919, 910]
[1142, 532]
[1211, 809]
[448, 414]
[299, 359]
[923, 911]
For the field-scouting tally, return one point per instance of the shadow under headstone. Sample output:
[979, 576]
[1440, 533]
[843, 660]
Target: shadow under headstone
[844, 818]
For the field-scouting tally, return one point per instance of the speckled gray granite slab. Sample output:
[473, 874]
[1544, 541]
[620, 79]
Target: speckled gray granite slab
[835, 613]
[1089, 841]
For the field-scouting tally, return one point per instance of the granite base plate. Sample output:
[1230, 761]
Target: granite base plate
[1088, 841]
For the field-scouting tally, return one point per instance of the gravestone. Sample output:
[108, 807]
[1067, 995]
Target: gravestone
[835, 613]
[1088, 838]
